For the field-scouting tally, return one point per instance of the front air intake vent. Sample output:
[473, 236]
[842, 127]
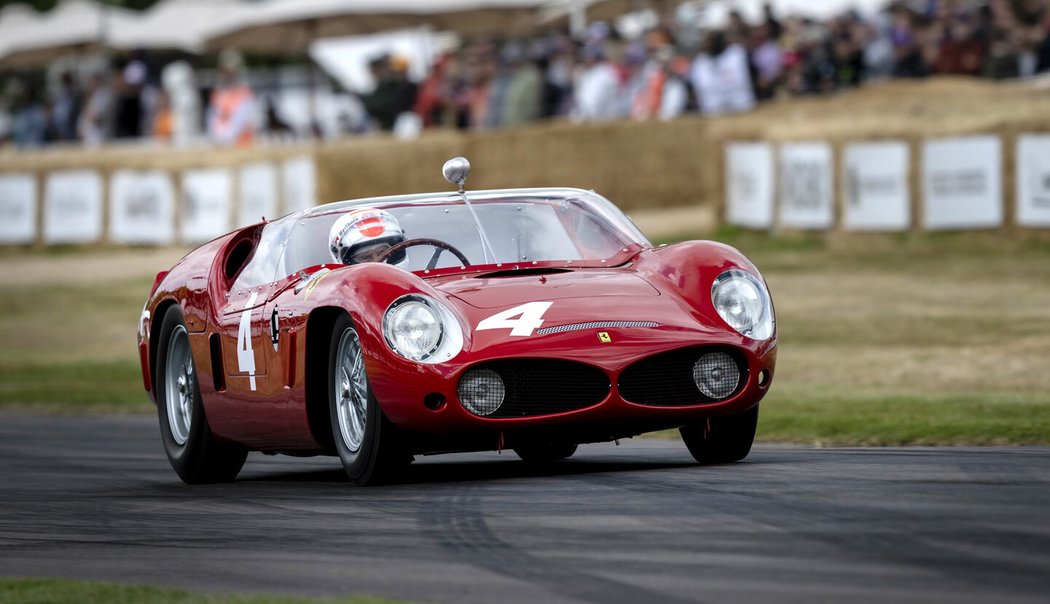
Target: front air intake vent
[531, 387]
[680, 378]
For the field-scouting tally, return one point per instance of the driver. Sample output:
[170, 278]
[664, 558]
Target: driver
[362, 235]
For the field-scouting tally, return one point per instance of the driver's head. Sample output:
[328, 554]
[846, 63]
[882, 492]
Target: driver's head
[361, 235]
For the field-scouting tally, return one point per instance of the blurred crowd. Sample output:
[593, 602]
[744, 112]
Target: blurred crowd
[676, 66]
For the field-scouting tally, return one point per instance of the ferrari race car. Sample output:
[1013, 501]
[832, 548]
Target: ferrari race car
[380, 329]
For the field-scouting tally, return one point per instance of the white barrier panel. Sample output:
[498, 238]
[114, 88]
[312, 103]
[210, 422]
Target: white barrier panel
[807, 200]
[258, 185]
[206, 204]
[1033, 180]
[875, 186]
[962, 183]
[73, 207]
[17, 208]
[749, 185]
[299, 178]
[141, 207]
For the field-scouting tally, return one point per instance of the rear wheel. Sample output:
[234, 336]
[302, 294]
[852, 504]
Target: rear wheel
[545, 452]
[192, 449]
[366, 441]
[722, 439]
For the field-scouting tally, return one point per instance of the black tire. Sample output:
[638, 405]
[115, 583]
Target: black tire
[200, 458]
[379, 457]
[542, 453]
[728, 438]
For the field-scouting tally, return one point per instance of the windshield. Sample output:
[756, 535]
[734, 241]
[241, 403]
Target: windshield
[521, 226]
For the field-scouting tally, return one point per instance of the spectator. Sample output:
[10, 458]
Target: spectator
[665, 93]
[96, 120]
[768, 59]
[721, 77]
[65, 109]
[1003, 58]
[432, 99]
[597, 87]
[394, 94]
[180, 87]
[163, 120]
[231, 111]
[1042, 54]
[524, 93]
[962, 53]
[128, 87]
[29, 120]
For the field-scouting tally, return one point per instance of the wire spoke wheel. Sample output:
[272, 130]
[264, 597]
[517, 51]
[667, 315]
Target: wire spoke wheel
[351, 391]
[180, 385]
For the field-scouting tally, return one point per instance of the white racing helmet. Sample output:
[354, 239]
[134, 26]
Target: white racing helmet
[359, 234]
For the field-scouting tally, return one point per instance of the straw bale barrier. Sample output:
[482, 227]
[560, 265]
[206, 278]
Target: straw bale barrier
[640, 166]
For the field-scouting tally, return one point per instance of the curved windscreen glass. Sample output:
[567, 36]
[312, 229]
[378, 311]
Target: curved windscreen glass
[510, 226]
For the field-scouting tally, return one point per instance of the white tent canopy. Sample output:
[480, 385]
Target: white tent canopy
[72, 25]
[291, 25]
[178, 24]
[17, 24]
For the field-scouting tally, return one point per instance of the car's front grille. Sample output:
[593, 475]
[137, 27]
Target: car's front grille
[544, 386]
[666, 379]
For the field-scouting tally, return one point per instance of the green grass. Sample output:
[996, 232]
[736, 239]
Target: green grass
[107, 387]
[54, 591]
[884, 339]
[71, 348]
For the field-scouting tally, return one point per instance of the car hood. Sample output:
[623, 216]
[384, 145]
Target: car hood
[510, 288]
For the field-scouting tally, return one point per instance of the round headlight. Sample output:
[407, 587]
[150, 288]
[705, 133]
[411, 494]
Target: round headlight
[742, 301]
[481, 391]
[413, 329]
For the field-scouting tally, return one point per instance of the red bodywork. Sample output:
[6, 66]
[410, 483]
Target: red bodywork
[287, 410]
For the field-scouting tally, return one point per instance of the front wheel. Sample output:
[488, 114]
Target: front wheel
[192, 450]
[366, 441]
[722, 439]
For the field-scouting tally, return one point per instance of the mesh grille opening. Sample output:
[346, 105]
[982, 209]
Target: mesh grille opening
[544, 386]
[666, 379]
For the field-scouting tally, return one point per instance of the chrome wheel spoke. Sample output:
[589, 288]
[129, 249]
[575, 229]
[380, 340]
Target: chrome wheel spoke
[351, 391]
[179, 385]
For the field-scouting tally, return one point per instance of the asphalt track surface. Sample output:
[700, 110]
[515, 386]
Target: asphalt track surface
[93, 498]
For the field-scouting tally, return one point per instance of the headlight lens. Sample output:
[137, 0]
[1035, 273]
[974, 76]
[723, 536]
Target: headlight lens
[421, 329]
[742, 301]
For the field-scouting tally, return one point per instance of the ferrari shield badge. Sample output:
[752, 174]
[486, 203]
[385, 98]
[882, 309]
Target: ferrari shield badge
[604, 337]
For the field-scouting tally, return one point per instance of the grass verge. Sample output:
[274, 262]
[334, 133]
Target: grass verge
[56, 591]
[884, 339]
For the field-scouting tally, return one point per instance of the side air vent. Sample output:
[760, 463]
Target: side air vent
[218, 372]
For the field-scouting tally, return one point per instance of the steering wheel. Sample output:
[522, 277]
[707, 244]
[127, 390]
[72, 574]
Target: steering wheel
[436, 243]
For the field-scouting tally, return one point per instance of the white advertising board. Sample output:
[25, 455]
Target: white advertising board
[299, 178]
[1033, 180]
[258, 187]
[17, 208]
[206, 204]
[875, 186]
[807, 200]
[962, 183]
[141, 207]
[73, 207]
[749, 185]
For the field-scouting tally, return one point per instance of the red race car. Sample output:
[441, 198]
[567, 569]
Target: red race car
[379, 329]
